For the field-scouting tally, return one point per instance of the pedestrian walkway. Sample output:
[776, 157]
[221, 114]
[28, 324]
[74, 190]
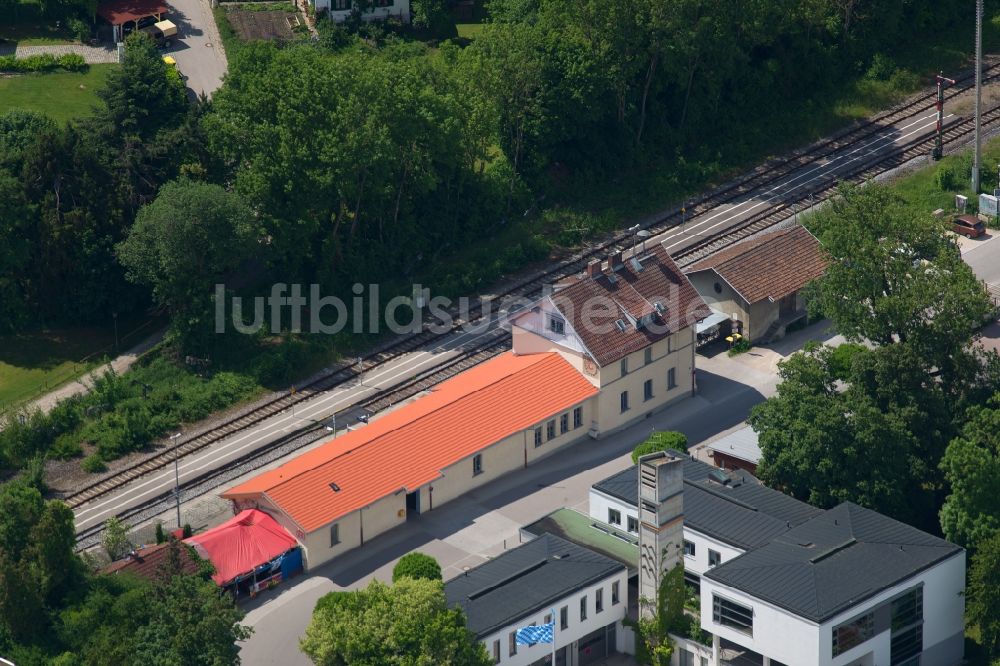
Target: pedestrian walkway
[119, 364]
[92, 54]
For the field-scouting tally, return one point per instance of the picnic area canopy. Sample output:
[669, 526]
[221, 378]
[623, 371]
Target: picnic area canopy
[119, 12]
[242, 544]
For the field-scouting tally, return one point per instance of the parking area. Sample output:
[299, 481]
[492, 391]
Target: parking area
[198, 52]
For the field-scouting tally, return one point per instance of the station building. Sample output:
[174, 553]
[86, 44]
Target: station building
[604, 351]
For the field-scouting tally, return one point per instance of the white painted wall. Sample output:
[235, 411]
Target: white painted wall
[782, 636]
[600, 503]
[398, 8]
[576, 630]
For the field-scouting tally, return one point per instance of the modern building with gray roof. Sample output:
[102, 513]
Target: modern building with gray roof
[782, 583]
[586, 591]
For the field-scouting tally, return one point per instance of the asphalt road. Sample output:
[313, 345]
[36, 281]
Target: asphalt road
[983, 255]
[199, 53]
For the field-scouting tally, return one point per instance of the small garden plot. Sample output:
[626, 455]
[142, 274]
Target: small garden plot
[263, 25]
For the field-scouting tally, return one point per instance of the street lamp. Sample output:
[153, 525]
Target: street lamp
[177, 478]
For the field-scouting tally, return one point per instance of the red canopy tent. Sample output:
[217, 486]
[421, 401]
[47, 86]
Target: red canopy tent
[242, 544]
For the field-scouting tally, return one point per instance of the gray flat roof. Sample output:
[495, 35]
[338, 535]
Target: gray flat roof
[742, 512]
[740, 444]
[833, 562]
[524, 580]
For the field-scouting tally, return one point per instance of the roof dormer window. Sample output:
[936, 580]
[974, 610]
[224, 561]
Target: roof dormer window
[557, 325]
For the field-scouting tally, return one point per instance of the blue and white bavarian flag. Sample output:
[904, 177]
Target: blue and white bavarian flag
[543, 633]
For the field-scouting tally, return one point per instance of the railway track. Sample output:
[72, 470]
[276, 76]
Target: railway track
[531, 286]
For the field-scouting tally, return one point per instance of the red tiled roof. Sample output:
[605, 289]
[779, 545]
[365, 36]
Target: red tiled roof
[124, 11]
[148, 559]
[409, 447]
[593, 304]
[771, 265]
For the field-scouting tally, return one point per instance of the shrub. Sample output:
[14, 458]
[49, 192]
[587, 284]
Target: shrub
[80, 29]
[73, 62]
[739, 347]
[416, 565]
[661, 441]
[881, 69]
[186, 530]
[93, 464]
[160, 536]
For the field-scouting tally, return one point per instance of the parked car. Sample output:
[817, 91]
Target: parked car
[144, 22]
[968, 225]
[163, 33]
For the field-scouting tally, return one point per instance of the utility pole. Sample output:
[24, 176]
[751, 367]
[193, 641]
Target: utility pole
[939, 138]
[979, 96]
[177, 479]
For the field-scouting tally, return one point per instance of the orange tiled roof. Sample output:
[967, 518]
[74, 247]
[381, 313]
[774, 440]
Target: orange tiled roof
[771, 265]
[409, 447]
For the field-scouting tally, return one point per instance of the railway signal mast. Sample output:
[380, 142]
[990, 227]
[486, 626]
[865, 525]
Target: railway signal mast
[938, 139]
[979, 96]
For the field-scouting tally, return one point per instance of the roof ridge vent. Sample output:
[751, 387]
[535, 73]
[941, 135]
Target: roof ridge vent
[829, 552]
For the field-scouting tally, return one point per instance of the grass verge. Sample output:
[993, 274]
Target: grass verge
[61, 95]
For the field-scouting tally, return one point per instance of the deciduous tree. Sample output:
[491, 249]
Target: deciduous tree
[403, 624]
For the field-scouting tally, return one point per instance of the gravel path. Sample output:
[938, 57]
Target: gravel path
[92, 54]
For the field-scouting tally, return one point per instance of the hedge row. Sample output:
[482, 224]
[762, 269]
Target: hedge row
[46, 62]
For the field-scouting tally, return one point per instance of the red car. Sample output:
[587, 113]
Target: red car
[968, 225]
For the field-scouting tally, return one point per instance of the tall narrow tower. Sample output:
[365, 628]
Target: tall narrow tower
[661, 522]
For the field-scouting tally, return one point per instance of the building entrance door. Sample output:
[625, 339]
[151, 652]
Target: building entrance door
[412, 503]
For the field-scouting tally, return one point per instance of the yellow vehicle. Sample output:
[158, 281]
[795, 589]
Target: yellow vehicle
[170, 61]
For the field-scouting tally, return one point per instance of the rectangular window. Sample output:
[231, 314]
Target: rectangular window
[578, 417]
[647, 390]
[550, 429]
[689, 548]
[624, 364]
[563, 424]
[564, 617]
[538, 436]
[648, 355]
[686, 658]
[548, 618]
[341, 4]
[557, 325]
[693, 582]
[614, 594]
[671, 378]
[907, 624]
[733, 615]
[908, 609]
[334, 534]
[599, 600]
[714, 558]
[853, 633]
[624, 401]
[633, 524]
[477, 464]
[614, 517]
[496, 651]
[905, 645]
[583, 608]
[512, 644]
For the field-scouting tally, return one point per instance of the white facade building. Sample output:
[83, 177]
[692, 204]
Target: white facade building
[782, 583]
[547, 578]
[340, 10]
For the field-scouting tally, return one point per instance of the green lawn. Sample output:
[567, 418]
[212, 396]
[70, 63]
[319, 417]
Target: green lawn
[34, 33]
[62, 95]
[926, 190]
[35, 363]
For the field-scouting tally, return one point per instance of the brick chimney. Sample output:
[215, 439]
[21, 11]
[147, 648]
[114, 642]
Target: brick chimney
[615, 260]
[593, 268]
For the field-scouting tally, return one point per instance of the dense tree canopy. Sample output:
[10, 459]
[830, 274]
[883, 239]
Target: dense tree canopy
[661, 441]
[416, 565]
[405, 624]
[983, 603]
[971, 464]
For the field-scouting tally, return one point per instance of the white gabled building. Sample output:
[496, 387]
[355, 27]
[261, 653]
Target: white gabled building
[782, 583]
[373, 10]
[586, 591]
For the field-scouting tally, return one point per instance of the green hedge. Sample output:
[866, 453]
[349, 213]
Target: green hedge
[46, 62]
